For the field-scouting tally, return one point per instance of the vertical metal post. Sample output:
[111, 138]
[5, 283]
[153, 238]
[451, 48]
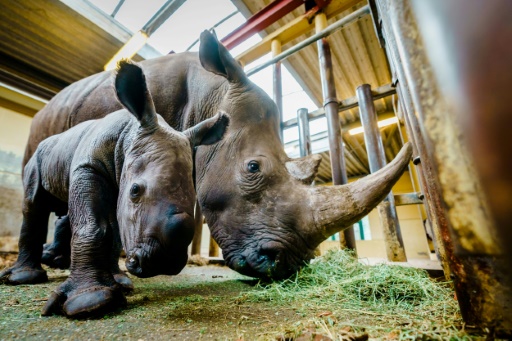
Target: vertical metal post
[339, 174]
[278, 85]
[377, 160]
[434, 210]
[304, 136]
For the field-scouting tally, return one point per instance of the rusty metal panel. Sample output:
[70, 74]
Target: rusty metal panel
[477, 264]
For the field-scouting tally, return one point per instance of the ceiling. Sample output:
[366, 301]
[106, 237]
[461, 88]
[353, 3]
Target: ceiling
[46, 45]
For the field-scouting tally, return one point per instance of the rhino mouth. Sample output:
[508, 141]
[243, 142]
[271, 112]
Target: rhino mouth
[268, 262]
[149, 258]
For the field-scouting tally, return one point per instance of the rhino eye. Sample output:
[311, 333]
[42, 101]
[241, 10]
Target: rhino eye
[253, 166]
[135, 191]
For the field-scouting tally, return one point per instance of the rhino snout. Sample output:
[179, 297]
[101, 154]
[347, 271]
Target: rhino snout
[266, 263]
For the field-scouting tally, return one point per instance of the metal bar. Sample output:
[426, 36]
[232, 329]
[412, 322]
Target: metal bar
[306, 42]
[377, 159]
[118, 7]
[304, 136]
[294, 29]
[260, 21]
[408, 199]
[278, 86]
[161, 16]
[338, 168]
[213, 27]
[434, 210]
[346, 104]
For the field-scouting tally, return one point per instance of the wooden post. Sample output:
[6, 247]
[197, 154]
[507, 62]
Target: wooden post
[198, 230]
[213, 249]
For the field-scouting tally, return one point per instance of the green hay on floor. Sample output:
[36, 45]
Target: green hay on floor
[377, 298]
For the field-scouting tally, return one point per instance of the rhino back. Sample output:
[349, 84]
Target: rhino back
[180, 87]
[96, 144]
[54, 156]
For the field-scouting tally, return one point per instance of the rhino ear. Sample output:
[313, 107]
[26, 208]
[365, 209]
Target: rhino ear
[132, 92]
[305, 168]
[215, 58]
[209, 131]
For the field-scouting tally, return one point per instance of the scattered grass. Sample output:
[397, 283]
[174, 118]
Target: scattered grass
[384, 300]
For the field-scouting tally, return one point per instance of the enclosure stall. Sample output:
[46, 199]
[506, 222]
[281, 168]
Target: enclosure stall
[379, 73]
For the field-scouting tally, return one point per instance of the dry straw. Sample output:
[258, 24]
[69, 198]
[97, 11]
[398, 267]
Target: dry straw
[379, 299]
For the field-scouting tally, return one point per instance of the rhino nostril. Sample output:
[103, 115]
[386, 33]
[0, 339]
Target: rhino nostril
[133, 262]
[262, 259]
[268, 257]
[242, 263]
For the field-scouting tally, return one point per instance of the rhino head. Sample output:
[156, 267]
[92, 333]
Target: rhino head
[258, 203]
[156, 190]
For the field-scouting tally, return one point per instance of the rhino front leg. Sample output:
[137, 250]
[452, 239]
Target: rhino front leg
[58, 253]
[36, 211]
[90, 288]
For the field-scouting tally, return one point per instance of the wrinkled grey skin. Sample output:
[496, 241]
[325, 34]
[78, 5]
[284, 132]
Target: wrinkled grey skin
[127, 181]
[257, 202]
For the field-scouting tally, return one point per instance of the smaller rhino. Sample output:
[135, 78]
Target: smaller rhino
[125, 180]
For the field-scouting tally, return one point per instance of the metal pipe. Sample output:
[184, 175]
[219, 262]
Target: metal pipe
[346, 104]
[161, 16]
[322, 34]
[338, 168]
[377, 159]
[278, 86]
[260, 21]
[213, 28]
[304, 136]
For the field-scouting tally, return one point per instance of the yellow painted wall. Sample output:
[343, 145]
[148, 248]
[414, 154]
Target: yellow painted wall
[14, 130]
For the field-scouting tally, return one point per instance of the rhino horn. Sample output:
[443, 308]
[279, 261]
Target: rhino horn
[336, 208]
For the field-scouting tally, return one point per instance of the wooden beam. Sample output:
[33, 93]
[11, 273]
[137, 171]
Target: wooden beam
[294, 29]
[19, 102]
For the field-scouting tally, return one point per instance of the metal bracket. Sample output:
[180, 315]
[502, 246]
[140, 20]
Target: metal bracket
[329, 100]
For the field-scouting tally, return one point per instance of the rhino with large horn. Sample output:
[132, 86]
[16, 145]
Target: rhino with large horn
[256, 200]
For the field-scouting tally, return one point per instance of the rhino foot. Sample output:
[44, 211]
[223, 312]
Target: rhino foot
[16, 275]
[124, 281]
[55, 257]
[89, 301]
